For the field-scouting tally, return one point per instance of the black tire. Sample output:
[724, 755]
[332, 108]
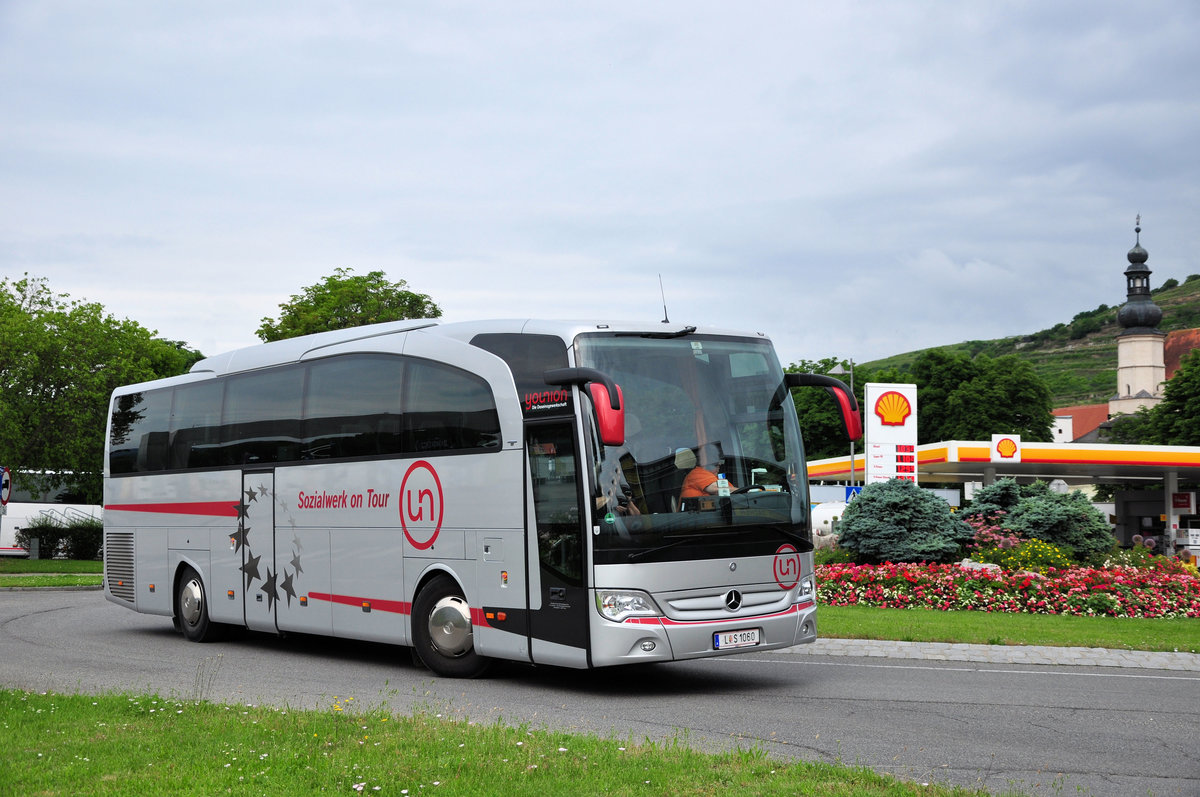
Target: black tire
[442, 633]
[191, 608]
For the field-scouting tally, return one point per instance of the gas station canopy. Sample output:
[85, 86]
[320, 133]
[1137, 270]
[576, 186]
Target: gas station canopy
[1074, 463]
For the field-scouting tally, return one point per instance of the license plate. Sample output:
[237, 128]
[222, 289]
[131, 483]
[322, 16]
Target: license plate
[735, 639]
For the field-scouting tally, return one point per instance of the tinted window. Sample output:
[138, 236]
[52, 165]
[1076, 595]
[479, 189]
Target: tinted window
[529, 357]
[447, 409]
[352, 408]
[138, 437]
[261, 418]
[196, 425]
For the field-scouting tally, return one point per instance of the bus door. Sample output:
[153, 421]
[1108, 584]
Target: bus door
[558, 600]
[260, 571]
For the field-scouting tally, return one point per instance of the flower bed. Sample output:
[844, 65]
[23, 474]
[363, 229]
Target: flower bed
[1108, 592]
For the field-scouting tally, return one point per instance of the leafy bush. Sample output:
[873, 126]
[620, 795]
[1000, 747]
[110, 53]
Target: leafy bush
[48, 531]
[81, 539]
[897, 521]
[1033, 512]
[84, 540]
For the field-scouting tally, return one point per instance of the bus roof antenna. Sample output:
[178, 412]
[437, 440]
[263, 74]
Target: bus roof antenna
[666, 320]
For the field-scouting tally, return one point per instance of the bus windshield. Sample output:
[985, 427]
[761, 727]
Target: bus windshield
[712, 463]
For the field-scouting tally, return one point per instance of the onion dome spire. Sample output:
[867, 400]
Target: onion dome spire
[1139, 314]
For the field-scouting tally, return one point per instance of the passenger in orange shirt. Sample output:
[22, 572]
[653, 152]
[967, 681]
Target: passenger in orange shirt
[702, 479]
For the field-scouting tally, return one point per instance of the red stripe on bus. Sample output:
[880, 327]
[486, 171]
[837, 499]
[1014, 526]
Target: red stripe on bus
[210, 508]
[396, 607]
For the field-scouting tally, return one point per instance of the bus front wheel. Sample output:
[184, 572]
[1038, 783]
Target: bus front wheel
[442, 631]
[191, 608]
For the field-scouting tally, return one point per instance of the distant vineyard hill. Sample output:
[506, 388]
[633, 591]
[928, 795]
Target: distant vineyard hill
[1078, 358]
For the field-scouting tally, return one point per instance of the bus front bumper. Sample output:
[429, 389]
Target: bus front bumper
[647, 639]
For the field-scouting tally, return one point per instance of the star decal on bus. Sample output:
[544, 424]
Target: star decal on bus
[270, 589]
[250, 568]
[276, 581]
[286, 586]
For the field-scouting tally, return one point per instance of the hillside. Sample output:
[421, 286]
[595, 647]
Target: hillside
[1077, 358]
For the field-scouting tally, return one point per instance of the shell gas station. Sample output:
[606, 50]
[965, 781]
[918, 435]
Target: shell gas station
[1148, 500]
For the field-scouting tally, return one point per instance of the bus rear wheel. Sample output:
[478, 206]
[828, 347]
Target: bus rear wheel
[191, 608]
[442, 633]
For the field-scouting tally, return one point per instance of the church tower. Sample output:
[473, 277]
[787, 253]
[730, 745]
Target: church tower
[1140, 368]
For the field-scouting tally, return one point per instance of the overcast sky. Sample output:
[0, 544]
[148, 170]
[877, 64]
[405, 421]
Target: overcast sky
[854, 179]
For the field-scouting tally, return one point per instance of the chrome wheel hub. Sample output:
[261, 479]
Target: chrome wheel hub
[450, 626]
[191, 602]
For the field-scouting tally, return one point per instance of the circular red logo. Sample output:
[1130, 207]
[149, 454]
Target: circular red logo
[787, 566]
[421, 505]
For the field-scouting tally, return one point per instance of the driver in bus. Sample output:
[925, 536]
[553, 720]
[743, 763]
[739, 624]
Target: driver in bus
[702, 478]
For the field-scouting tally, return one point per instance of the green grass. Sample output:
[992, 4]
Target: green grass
[9, 566]
[51, 580]
[50, 573]
[118, 745]
[991, 628]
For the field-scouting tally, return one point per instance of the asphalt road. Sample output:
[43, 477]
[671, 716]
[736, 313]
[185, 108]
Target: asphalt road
[1029, 729]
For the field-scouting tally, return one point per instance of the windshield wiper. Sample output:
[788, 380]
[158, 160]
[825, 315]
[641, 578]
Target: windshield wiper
[680, 333]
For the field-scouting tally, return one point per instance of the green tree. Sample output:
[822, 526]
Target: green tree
[346, 300]
[1135, 428]
[820, 422]
[960, 398]
[1176, 419]
[61, 360]
[897, 521]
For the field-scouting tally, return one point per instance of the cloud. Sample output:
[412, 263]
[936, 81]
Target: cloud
[855, 179]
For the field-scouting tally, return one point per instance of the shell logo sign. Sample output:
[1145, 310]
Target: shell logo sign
[891, 431]
[893, 408]
[1006, 448]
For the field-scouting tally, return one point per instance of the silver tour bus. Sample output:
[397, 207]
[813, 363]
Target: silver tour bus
[564, 493]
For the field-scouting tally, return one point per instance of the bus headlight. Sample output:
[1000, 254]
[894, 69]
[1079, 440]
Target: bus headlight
[617, 605]
[806, 588]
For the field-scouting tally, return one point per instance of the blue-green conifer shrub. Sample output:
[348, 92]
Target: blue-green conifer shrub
[897, 521]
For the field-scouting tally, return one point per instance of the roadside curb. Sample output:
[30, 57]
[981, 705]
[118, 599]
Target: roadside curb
[1001, 654]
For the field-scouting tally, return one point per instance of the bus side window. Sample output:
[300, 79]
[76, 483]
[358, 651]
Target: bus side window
[261, 417]
[352, 407]
[446, 409]
[196, 425]
[137, 442]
